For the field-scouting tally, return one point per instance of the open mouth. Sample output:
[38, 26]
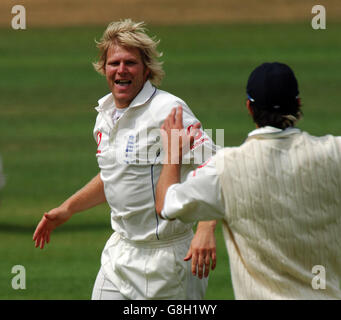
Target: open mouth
[123, 82]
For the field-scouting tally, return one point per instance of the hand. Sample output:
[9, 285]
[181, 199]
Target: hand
[48, 223]
[175, 139]
[203, 249]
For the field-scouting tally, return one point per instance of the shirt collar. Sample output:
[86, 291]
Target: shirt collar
[147, 92]
[269, 132]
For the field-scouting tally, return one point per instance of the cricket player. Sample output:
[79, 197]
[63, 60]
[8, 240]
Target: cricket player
[146, 257]
[279, 195]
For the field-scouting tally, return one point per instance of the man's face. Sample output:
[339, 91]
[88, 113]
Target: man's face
[125, 74]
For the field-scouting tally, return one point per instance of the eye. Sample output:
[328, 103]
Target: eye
[113, 63]
[130, 62]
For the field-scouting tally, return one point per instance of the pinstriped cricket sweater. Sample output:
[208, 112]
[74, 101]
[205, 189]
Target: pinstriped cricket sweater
[282, 201]
[279, 195]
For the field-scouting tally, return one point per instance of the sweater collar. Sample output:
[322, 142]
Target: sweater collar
[107, 102]
[272, 132]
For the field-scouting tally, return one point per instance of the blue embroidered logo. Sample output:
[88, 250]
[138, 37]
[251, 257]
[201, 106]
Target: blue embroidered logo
[129, 148]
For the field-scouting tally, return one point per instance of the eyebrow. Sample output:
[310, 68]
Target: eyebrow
[125, 60]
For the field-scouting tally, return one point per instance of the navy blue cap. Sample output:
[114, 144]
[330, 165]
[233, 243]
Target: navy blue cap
[273, 87]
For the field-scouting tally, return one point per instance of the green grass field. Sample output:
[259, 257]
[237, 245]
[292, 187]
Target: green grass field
[48, 91]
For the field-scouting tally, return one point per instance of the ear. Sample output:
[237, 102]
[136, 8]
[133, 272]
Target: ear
[146, 73]
[248, 106]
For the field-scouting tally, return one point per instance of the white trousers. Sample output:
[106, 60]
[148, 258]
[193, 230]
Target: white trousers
[147, 270]
[104, 289]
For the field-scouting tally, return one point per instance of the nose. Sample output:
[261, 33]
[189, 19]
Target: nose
[121, 67]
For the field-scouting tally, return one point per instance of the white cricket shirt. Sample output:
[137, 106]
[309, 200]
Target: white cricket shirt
[129, 159]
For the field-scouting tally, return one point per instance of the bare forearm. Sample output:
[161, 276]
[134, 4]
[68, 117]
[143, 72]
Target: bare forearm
[170, 174]
[207, 225]
[91, 195]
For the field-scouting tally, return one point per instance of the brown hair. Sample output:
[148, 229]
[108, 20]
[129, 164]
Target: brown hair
[264, 117]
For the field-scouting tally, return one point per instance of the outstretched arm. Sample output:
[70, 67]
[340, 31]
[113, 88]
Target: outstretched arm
[175, 142]
[91, 195]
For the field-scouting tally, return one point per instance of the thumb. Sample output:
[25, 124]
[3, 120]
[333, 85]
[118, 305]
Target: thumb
[49, 215]
[188, 255]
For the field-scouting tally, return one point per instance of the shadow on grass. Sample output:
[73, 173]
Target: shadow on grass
[15, 228]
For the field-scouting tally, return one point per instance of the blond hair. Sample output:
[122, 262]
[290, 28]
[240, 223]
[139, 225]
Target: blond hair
[127, 33]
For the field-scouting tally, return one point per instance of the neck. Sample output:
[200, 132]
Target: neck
[121, 105]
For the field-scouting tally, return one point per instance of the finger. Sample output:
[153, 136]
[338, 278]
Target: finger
[38, 229]
[42, 242]
[178, 117]
[200, 266]
[207, 266]
[172, 116]
[194, 264]
[37, 232]
[214, 260]
[163, 133]
[37, 242]
[168, 121]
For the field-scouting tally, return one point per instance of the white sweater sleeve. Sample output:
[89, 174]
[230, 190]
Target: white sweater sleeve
[198, 198]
